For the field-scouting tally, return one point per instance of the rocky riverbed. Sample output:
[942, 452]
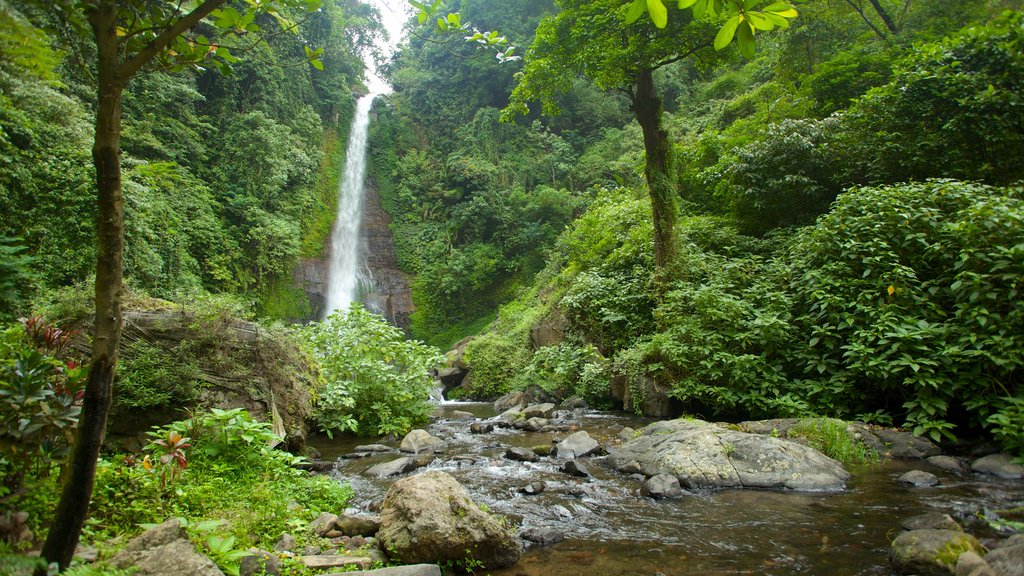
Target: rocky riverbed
[588, 513]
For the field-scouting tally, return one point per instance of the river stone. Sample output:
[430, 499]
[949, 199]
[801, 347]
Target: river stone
[932, 520]
[356, 455]
[969, 563]
[431, 518]
[702, 455]
[930, 552]
[372, 448]
[947, 463]
[325, 561]
[323, 524]
[510, 400]
[354, 525]
[539, 410]
[662, 486]
[905, 446]
[575, 468]
[534, 424]
[533, 488]
[542, 536]
[262, 563]
[626, 434]
[392, 468]
[164, 550]
[463, 415]
[521, 455]
[919, 479]
[1007, 560]
[574, 403]
[421, 441]
[998, 465]
[410, 570]
[577, 445]
[481, 427]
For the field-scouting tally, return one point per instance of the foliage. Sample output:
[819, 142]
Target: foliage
[375, 382]
[566, 369]
[152, 377]
[41, 388]
[831, 437]
[14, 274]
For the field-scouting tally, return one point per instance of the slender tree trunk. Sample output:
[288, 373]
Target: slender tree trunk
[889, 23]
[657, 170]
[78, 482]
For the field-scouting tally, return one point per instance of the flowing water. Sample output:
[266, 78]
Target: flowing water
[347, 271]
[611, 530]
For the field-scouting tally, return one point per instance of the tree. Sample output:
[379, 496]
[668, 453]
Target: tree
[130, 36]
[606, 42]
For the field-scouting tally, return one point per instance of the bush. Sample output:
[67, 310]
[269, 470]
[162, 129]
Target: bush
[495, 361]
[375, 381]
[151, 377]
[570, 369]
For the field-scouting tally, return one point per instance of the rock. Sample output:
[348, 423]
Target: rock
[931, 520]
[86, 553]
[626, 434]
[662, 486]
[285, 543]
[509, 416]
[334, 533]
[947, 463]
[320, 466]
[410, 570]
[919, 479]
[631, 467]
[311, 550]
[904, 445]
[164, 550]
[930, 552]
[574, 403]
[353, 525]
[998, 465]
[575, 468]
[539, 411]
[521, 455]
[392, 468]
[970, 563]
[323, 524]
[1007, 560]
[577, 445]
[776, 427]
[372, 448]
[463, 415]
[542, 450]
[533, 488]
[451, 378]
[534, 424]
[421, 441]
[325, 561]
[13, 527]
[262, 563]
[431, 518]
[356, 455]
[702, 455]
[542, 536]
[509, 401]
[1016, 539]
[481, 427]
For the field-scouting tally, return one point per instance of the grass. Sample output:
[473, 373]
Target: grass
[831, 437]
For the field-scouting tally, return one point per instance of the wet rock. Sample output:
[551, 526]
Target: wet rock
[971, 564]
[998, 465]
[575, 468]
[262, 563]
[631, 467]
[662, 486]
[421, 441]
[431, 518]
[1007, 560]
[542, 536]
[509, 416]
[463, 415]
[392, 468]
[904, 445]
[316, 466]
[947, 463]
[539, 411]
[919, 479]
[164, 550]
[372, 448]
[534, 424]
[521, 455]
[542, 450]
[354, 525]
[626, 433]
[577, 445]
[481, 427]
[574, 403]
[325, 561]
[423, 459]
[510, 400]
[930, 552]
[533, 488]
[702, 455]
[931, 520]
[323, 523]
[285, 543]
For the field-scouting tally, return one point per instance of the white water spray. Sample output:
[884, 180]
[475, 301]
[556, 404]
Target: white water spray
[346, 269]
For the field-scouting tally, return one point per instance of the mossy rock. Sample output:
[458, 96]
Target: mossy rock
[931, 552]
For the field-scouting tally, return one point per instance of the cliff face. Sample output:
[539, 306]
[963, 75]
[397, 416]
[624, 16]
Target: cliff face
[388, 293]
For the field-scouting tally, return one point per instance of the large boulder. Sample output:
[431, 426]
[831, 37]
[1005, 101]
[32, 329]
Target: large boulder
[421, 441]
[431, 518]
[1007, 560]
[931, 552]
[998, 465]
[164, 550]
[577, 445]
[703, 455]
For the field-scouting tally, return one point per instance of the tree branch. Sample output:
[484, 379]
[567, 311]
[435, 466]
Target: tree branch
[129, 68]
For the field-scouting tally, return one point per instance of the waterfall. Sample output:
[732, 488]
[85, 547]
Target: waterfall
[345, 273]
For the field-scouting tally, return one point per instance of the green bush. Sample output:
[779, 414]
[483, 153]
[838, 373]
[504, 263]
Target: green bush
[149, 377]
[375, 381]
[570, 369]
[495, 361]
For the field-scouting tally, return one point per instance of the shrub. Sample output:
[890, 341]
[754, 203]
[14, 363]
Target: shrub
[150, 377]
[568, 369]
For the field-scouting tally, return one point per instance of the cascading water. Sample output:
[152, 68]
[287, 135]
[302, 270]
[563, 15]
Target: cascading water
[346, 269]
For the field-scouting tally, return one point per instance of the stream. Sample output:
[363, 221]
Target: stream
[610, 530]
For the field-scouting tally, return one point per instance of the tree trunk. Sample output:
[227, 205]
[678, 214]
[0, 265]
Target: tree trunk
[78, 481]
[646, 108]
[889, 23]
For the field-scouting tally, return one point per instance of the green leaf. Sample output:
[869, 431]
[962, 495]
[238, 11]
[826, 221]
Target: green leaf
[725, 35]
[745, 38]
[684, 4]
[636, 9]
[757, 20]
[659, 14]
